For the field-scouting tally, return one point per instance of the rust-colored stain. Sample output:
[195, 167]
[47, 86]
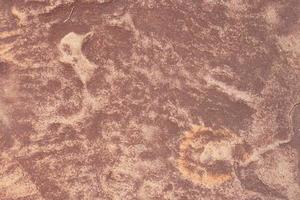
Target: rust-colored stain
[202, 152]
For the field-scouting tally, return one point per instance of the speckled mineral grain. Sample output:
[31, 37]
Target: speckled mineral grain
[149, 100]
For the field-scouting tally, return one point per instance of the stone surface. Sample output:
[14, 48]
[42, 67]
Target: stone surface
[144, 99]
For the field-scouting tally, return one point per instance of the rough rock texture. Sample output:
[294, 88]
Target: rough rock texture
[144, 99]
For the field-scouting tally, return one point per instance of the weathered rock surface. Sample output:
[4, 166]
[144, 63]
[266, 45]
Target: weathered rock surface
[144, 99]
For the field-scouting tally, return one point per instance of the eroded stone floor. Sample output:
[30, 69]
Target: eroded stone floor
[149, 100]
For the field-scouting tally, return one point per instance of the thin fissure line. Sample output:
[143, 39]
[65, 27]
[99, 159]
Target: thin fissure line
[70, 14]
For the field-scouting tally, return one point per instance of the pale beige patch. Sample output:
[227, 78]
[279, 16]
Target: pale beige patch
[231, 90]
[14, 182]
[71, 53]
[271, 15]
[21, 16]
[3, 115]
[278, 169]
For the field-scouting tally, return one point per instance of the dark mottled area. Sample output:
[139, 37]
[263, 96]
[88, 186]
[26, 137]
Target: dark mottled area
[136, 99]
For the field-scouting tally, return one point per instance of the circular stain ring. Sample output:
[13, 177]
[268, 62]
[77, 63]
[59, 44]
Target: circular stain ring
[205, 156]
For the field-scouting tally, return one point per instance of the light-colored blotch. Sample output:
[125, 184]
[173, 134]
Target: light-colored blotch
[231, 90]
[71, 53]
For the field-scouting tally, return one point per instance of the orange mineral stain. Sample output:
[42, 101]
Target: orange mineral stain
[205, 156]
